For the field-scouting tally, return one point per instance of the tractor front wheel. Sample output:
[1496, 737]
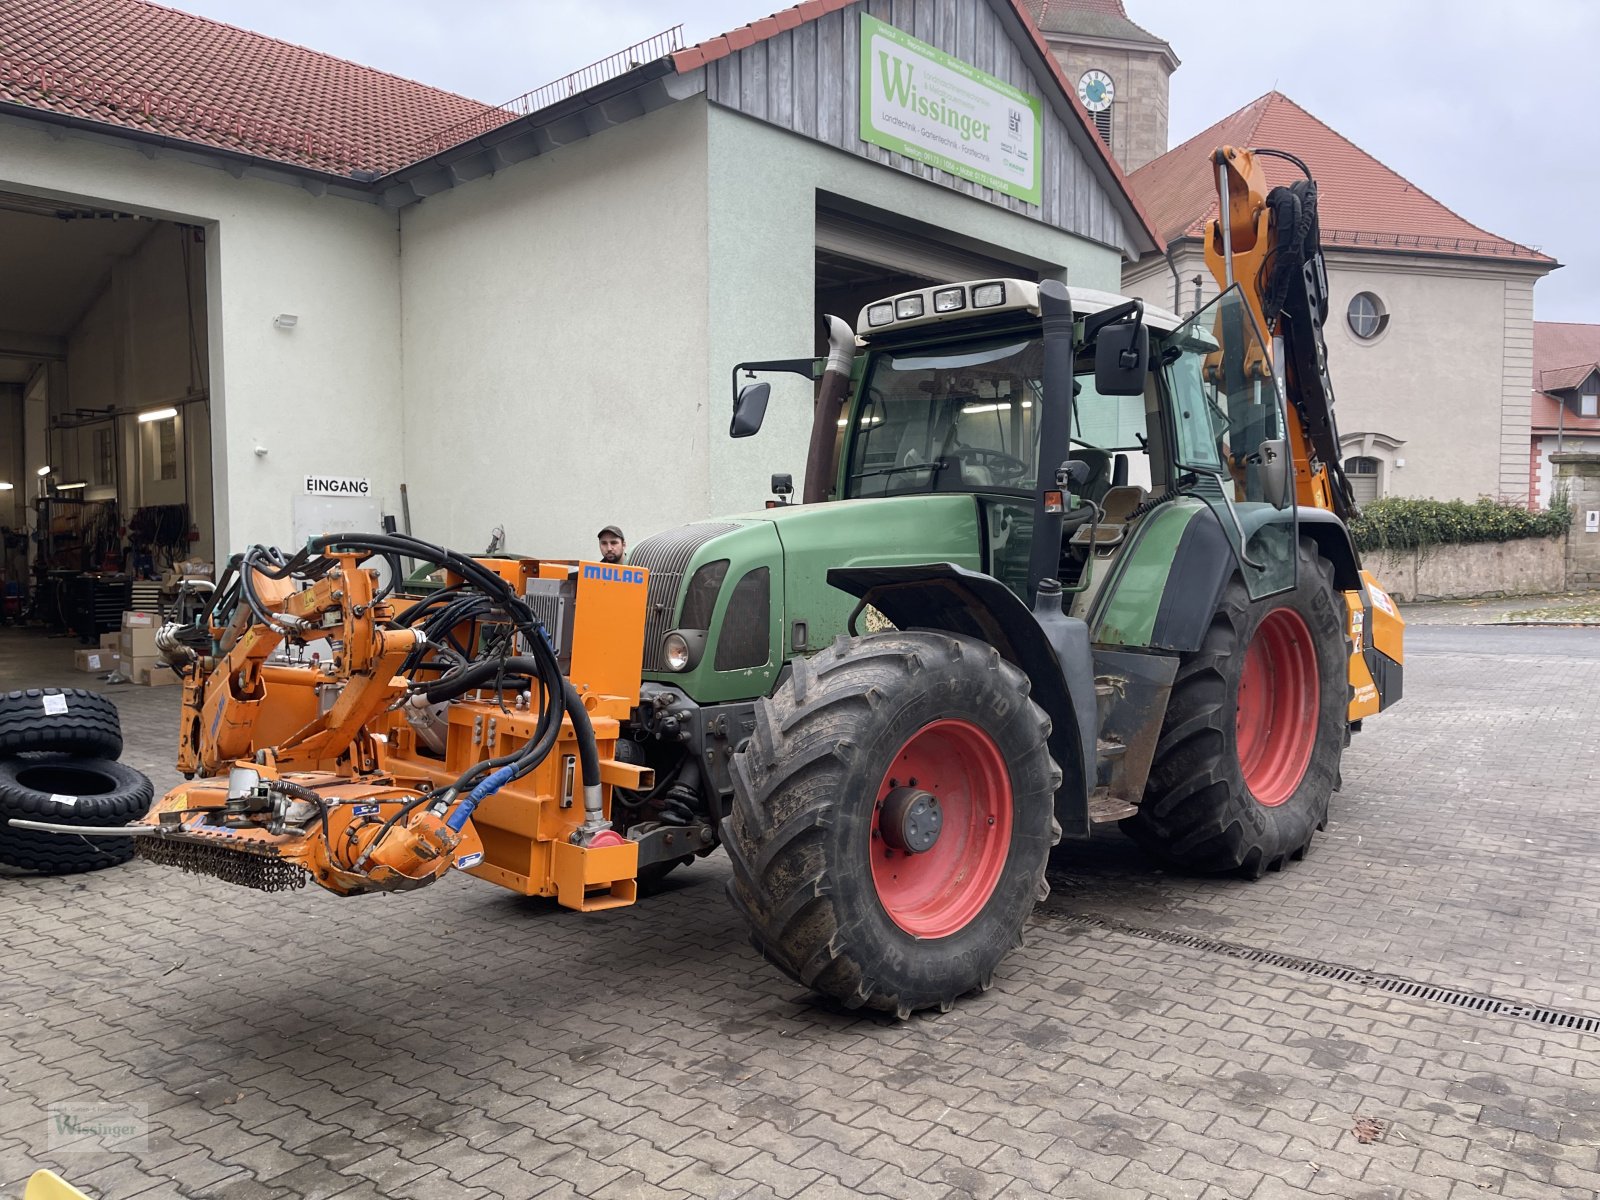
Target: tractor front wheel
[891, 820]
[1253, 733]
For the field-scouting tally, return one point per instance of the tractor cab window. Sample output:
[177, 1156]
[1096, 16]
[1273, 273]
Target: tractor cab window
[1228, 421]
[966, 419]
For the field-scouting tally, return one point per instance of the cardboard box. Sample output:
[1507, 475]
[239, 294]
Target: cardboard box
[129, 667]
[138, 620]
[137, 643]
[111, 641]
[95, 661]
[157, 676]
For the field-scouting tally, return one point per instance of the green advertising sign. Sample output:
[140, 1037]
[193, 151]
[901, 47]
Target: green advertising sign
[926, 105]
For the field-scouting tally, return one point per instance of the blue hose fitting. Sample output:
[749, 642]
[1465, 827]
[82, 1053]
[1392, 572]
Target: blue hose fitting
[492, 784]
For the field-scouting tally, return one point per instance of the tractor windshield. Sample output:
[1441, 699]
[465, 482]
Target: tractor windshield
[959, 419]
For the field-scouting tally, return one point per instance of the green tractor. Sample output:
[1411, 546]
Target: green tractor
[1049, 571]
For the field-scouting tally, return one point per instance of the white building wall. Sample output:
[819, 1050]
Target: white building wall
[555, 343]
[763, 190]
[323, 397]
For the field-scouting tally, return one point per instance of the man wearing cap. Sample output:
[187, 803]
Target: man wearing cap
[612, 544]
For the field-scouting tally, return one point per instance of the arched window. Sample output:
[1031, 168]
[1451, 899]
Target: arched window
[1363, 474]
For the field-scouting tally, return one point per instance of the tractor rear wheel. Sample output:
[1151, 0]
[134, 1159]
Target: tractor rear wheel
[1253, 733]
[891, 820]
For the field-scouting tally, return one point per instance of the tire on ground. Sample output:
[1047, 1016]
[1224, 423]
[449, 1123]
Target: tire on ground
[803, 832]
[65, 789]
[1198, 812]
[64, 720]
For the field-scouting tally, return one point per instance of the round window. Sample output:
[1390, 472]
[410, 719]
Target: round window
[1367, 316]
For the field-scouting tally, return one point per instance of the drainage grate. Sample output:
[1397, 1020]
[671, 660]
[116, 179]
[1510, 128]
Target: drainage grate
[1409, 988]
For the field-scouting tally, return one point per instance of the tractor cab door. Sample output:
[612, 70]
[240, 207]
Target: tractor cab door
[1231, 436]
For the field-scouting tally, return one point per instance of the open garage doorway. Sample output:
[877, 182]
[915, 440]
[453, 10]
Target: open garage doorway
[105, 424]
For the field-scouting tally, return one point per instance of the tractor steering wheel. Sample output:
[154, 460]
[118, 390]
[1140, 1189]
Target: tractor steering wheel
[1007, 467]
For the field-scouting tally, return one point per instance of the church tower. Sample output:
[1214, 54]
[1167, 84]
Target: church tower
[1120, 71]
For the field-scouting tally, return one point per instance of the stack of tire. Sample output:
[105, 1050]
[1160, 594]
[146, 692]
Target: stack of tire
[58, 752]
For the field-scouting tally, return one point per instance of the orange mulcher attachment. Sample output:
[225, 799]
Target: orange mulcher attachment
[343, 745]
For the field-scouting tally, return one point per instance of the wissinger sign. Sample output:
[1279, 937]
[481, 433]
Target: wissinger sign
[926, 105]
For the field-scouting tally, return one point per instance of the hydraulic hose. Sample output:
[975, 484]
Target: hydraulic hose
[558, 692]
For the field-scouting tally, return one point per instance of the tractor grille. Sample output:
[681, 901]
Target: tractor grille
[665, 556]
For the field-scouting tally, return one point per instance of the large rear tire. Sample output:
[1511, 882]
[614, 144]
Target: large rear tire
[1253, 733]
[892, 816]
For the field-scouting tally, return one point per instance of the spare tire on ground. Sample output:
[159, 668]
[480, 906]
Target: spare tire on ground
[64, 789]
[64, 720]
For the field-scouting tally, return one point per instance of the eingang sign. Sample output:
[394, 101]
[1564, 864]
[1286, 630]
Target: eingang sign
[926, 105]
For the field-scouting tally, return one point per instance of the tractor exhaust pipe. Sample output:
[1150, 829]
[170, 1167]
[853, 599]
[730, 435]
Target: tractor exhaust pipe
[1055, 429]
[831, 399]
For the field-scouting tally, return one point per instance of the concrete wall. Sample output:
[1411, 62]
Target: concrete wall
[762, 217]
[1579, 475]
[323, 397]
[1525, 567]
[555, 328]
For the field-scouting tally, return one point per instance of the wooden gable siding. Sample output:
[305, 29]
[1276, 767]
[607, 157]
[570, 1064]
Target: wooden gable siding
[808, 80]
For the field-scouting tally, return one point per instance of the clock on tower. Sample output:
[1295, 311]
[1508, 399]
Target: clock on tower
[1096, 91]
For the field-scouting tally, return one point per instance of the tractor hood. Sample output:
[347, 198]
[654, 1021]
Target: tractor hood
[748, 592]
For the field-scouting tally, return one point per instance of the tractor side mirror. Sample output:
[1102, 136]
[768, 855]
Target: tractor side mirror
[1276, 478]
[1121, 359]
[749, 409]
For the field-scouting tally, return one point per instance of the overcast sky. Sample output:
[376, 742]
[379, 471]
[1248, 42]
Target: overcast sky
[1490, 107]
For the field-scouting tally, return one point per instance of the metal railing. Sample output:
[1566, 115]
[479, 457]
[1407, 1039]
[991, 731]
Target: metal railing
[613, 65]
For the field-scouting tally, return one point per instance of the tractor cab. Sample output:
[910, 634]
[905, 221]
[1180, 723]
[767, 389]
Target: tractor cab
[952, 396]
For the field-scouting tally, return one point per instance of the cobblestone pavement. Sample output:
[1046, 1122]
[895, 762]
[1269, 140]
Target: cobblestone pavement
[463, 1042]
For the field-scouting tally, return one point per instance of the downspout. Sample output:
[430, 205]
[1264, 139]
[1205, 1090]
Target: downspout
[831, 397]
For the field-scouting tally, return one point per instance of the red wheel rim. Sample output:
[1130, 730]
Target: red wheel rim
[1278, 707]
[939, 891]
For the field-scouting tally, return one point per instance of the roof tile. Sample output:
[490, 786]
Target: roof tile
[1361, 202]
[143, 66]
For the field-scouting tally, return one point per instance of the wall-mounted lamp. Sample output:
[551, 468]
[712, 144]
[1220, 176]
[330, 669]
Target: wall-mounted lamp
[157, 414]
[4, 487]
[42, 472]
[72, 487]
[286, 320]
[261, 451]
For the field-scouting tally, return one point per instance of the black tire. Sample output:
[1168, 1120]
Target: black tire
[803, 835]
[103, 793]
[87, 724]
[1198, 813]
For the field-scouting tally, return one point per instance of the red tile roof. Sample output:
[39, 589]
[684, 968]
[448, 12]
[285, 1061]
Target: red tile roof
[1565, 354]
[712, 49]
[1361, 202]
[142, 66]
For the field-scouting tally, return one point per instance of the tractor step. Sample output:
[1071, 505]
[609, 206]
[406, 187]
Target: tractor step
[1105, 808]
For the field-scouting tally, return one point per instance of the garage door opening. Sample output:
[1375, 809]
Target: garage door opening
[105, 429]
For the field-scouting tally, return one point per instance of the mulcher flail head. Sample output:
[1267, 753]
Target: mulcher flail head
[266, 872]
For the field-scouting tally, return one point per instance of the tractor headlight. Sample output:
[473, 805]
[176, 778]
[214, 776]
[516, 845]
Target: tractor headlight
[988, 295]
[681, 648]
[949, 300]
[907, 307]
[880, 314]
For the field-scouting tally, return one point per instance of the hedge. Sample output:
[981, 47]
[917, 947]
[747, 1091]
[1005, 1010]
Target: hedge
[1400, 523]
